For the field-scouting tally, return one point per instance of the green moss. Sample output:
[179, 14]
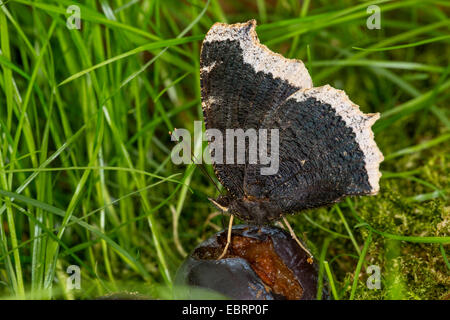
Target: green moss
[408, 270]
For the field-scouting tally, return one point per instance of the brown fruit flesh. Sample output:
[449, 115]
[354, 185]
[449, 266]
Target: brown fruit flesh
[266, 263]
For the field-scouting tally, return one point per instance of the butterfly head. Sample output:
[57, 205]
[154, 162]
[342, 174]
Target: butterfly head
[249, 209]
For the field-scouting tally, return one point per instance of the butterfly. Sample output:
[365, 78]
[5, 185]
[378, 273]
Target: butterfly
[326, 149]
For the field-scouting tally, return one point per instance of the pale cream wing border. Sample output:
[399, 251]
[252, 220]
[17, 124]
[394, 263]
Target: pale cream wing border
[358, 121]
[258, 55]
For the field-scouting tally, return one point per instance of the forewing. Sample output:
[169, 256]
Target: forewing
[241, 82]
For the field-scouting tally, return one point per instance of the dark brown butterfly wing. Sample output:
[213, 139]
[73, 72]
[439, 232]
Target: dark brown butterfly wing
[241, 81]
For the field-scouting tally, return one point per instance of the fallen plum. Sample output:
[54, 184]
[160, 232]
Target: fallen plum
[262, 263]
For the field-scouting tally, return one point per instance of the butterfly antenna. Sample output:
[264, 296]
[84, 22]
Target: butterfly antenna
[201, 167]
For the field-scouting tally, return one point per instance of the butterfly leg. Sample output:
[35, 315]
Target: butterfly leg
[310, 259]
[230, 228]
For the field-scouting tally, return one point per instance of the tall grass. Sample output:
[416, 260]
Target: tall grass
[85, 170]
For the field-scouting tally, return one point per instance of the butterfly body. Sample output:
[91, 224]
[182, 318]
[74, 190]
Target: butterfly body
[254, 210]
